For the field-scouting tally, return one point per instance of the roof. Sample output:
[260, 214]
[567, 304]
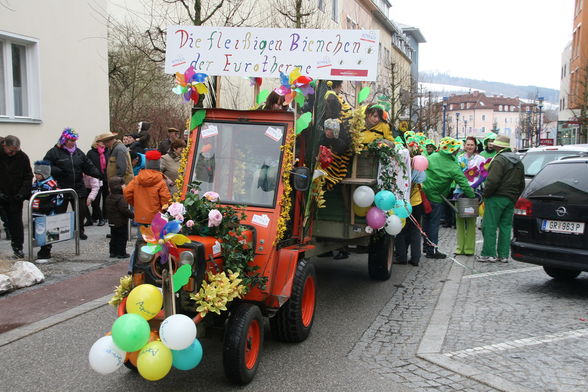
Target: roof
[413, 31]
[479, 100]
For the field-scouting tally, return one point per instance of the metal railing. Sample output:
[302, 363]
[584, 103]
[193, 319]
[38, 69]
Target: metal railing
[68, 191]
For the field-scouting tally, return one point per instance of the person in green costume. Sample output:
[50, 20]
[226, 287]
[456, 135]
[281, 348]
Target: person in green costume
[488, 151]
[430, 147]
[503, 186]
[442, 171]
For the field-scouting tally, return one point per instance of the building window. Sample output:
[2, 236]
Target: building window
[321, 5]
[483, 117]
[461, 105]
[335, 10]
[483, 129]
[19, 91]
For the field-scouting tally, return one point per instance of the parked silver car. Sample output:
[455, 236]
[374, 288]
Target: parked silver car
[536, 158]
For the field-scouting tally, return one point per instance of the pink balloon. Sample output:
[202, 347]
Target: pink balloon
[420, 163]
[376, 218]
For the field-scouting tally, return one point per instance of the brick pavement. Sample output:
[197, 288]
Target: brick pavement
[510, 327]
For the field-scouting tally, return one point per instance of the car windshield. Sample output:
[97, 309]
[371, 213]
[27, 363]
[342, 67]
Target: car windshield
[568, 180]
[534, 161]
[240, 162]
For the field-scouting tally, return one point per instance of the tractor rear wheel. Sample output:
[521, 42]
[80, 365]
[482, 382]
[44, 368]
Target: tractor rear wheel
[293, 321]
[243, 343]
[381, 257]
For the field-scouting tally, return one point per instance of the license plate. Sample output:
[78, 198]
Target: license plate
[562, 227]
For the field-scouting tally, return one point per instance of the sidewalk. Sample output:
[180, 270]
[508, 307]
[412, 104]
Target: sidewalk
[70, 280]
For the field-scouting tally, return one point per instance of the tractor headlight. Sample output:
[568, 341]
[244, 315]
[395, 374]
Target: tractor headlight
[187, 257]
[144, 257]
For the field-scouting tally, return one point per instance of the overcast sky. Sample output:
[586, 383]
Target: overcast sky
[511, 41]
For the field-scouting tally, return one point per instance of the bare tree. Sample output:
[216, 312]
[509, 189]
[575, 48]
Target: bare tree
[301, 14]
[397, 85]
[138, 88]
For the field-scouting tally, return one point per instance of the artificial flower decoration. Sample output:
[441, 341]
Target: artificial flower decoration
[161, 236]
[190, 84]
[214, 218]
[325, 157]
[449, 145]
[211, 196]
[294, 87]
[484, 166]
[472, 173]
[255, 81]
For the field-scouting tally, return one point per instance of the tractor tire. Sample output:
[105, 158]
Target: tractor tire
[381, 257]
[243, 343]
[560, 273]
[292, 323]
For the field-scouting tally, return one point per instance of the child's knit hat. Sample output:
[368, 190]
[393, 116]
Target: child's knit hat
[152, 160]
[43, 168]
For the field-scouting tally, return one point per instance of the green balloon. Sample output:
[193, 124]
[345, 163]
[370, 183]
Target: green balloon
[130, 332]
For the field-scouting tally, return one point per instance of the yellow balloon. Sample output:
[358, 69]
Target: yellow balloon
[403, 220]
[145, 300]
[154, 361]
[360, 211]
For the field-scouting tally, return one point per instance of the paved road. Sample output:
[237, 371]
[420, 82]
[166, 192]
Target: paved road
[444, 326]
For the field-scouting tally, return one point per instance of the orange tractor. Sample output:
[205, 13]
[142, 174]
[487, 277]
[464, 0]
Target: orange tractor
[254, 159]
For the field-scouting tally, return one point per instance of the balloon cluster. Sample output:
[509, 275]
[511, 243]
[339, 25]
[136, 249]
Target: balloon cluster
[294, 87]
[153, 353]
[190, 84]
[388, 212]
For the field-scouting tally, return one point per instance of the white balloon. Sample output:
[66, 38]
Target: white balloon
[393, 225]
[105, 357]
[177, 332]
[363, 196]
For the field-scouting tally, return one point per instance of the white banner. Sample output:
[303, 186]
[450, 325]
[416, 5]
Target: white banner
[261, 52]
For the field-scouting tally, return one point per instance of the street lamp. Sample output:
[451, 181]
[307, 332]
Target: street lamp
[529, 127]
[540, 109]
[465, 128]
[457, 125]
[445, 99]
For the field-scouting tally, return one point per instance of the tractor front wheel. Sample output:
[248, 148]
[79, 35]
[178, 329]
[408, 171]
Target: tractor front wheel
[243, 343]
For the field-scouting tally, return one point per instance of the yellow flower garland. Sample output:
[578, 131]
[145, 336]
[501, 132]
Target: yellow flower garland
[177, 196]
[122, 290]
[286, 202]
[357, 125]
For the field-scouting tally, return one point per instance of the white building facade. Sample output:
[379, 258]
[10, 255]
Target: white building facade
[53, 72]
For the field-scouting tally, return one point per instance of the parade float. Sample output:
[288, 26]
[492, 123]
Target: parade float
[233, 247]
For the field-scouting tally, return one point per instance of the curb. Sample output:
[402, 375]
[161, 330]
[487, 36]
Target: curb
[19, 333]
[432, 342]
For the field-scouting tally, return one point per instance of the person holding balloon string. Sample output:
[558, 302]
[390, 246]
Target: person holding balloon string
[469, 161]
[411, 234]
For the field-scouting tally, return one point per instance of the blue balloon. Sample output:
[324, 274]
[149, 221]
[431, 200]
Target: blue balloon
[402, 209]
[188, 358]
[385, 200]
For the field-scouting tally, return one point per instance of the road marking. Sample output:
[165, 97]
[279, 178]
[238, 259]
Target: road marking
[519, 343]
[510, 271]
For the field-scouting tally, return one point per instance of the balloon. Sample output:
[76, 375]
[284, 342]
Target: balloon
[145, 300]
[376, 218]
[360, 211]
[105, 357]
[402, 209]
[385, 200]
[155, 361]
[393, 225]
[188, 358]
[178, 331]
[132, 357]
[420, 163]
[130, 332]
[403, 220]
[363, 196]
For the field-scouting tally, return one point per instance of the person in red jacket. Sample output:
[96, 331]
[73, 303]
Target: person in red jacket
[147, 192]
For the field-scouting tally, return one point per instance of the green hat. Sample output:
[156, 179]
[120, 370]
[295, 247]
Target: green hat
[449, 145]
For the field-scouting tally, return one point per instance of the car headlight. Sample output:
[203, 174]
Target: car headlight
[187, 257]
[144, 257]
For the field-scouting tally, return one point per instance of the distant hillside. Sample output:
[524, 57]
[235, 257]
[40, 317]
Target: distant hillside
[493, 88]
